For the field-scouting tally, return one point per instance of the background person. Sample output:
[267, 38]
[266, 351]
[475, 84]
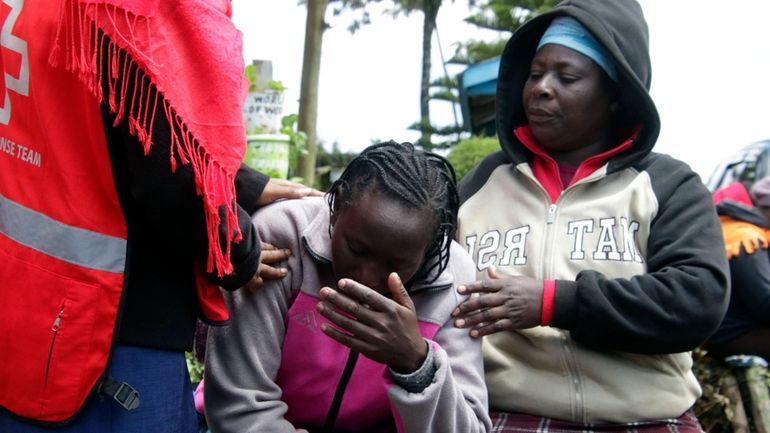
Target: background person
[745, 329]
[341, 343]
[602, 258]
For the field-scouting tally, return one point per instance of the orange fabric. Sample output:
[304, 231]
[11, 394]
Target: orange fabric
[742, 235]
[190, 52]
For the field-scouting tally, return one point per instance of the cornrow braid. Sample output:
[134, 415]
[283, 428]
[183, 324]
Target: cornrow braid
[416, 179]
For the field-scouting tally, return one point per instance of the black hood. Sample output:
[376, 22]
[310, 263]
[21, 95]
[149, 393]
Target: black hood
[741, 212]
[619, 25]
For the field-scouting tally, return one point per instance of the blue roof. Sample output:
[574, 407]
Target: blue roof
[481, 78]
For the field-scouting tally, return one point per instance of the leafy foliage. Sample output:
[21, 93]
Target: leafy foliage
[297, 140]
[444, 82]
[507, 15]
[443, 131]
[501, 15]
[250, 71]
[467, 153]
[275, 85]
[712, 407]
[445, 95]
[194, 367]
[361, 16]
[328, 162]
[472, 52]
[251, 74]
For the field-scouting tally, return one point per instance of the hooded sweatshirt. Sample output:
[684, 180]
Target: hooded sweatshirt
[632, 246]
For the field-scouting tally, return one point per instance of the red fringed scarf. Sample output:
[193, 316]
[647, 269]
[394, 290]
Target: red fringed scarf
[191, 53]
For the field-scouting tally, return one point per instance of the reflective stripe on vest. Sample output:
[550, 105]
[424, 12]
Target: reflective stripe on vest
[65, 242]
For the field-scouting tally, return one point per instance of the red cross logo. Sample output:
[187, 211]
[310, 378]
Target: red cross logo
[13, 58]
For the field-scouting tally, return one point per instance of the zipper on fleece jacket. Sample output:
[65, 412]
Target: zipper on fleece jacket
[334, 409]
[577, 406]
[551, 214]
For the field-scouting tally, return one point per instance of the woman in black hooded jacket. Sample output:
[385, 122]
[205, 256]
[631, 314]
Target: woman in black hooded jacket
[600, 262]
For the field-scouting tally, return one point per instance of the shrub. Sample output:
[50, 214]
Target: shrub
[467, 153]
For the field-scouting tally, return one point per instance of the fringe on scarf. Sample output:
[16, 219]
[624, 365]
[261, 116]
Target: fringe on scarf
[742, 236]
[79, 48]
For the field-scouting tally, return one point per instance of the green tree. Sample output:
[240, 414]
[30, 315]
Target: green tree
[517, 10]
[331, 164]
[504, 16]
[315, 25]
[430, 9]
[308, 97]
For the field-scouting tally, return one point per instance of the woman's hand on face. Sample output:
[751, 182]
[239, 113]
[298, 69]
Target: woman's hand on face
[502, 304]
[384, 330]
[268, 256]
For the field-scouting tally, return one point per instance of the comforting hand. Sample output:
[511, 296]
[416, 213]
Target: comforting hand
[384, 330]
[269, 255]
[281, 188]
[502, 304]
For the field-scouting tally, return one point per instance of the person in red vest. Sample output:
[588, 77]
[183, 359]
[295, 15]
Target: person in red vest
[121, 140]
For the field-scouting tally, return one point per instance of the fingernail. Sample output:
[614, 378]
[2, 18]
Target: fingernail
[287, 251]
[462, 289]
[474, 333]
[319, 306]
[455, 312]
[325, 291]
[460, 323]
[341, 283]
[284, 272]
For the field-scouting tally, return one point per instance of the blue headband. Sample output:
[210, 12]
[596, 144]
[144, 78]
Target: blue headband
[568, 32]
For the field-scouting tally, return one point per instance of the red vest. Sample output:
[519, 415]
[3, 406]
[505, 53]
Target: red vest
[62, 231]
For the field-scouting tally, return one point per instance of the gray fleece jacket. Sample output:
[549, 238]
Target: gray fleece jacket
[273, 370]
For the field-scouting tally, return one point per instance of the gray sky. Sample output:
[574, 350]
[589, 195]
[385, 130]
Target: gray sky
[710, 72]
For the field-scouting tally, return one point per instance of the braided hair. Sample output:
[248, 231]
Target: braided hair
[414, 178]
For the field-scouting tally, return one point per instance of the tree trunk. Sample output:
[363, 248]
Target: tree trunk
[308, 98]
[429, 25]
